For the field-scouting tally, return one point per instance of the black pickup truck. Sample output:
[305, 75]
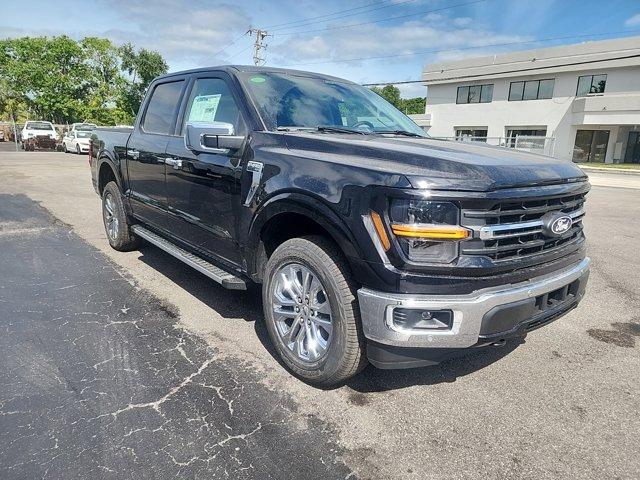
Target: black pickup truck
[372, 241]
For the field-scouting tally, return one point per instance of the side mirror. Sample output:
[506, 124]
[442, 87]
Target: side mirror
[214, 137]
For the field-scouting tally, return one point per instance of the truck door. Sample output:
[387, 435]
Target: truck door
[203, 188]
[146, 152]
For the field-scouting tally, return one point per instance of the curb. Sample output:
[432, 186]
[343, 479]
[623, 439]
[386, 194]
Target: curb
[612, 170]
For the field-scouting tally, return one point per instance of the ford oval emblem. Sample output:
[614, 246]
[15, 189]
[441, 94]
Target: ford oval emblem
[556, 224]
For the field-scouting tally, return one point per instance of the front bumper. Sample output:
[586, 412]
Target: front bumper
[486, 315]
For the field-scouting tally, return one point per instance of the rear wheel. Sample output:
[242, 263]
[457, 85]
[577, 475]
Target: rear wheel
[115, 221]
[311, 311]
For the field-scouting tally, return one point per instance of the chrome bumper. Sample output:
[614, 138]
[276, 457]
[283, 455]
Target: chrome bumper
[376, 310]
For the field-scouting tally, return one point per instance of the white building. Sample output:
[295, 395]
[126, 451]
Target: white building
[579, 102]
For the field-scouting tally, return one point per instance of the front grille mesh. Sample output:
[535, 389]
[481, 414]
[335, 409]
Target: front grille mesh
[517, 227]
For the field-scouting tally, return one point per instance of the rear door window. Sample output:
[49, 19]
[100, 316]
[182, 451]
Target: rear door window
[161, 112]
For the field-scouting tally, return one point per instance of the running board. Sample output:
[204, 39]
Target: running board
[224, 278]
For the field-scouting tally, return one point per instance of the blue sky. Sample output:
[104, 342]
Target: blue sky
[321, 35]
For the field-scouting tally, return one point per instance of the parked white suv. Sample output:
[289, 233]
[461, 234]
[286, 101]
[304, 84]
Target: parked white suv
[38, 129]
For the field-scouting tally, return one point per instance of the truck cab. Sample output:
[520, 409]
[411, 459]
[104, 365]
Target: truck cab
[371, 241]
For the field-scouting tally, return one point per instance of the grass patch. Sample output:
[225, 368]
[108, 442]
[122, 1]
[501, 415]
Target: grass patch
[624, 166]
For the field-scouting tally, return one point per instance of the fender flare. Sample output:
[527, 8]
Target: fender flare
[315, 209]
[105, 157]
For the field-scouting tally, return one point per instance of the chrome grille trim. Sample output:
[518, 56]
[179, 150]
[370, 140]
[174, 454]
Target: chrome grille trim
[507, 230]
[512, 229]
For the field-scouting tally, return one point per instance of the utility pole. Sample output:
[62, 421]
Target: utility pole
[258, 45]
[15, 132]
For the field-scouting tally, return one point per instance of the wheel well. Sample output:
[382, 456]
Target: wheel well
[283, 227]
[105, 176]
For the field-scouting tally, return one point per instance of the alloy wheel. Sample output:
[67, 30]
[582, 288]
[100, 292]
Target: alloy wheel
[110, 218]
[302, 312]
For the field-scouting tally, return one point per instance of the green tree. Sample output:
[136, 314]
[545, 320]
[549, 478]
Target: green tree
[414, 105]
[391, 94]
[142, 66]
[64, 81]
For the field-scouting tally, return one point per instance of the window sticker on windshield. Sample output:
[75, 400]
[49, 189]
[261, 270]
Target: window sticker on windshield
[204, 108]
[257, 79]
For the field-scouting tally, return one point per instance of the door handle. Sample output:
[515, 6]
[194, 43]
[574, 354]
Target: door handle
[133, 154]
[175, 162]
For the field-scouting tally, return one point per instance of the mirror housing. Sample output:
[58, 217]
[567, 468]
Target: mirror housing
[213, 137]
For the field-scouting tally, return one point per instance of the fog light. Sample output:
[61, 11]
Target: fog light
[406, 319]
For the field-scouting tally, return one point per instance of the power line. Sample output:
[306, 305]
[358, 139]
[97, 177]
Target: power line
[428, 52]
[229, 44]
[306, 20]
[461, 77]
[367, 9]
[350, 25]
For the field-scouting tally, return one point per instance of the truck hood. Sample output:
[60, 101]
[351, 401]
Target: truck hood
[436, 164]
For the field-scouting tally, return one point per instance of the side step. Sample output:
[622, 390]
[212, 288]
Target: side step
[225, 279]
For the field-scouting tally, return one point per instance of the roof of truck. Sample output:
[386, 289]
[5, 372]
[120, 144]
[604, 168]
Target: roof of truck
[231, 69]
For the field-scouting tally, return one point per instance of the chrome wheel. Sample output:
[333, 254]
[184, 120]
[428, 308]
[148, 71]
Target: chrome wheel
[110, 218]
[302, 312]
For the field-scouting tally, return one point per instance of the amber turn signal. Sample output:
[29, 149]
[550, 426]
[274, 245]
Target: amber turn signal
[382, 233]
[434, 232]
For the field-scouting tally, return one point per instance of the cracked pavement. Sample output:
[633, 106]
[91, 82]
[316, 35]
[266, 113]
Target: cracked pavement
[99, 380]
[132, 365]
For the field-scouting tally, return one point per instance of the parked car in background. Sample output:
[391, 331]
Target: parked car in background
[82, 126]
[1, 135]
[38, 134]
[76, 141]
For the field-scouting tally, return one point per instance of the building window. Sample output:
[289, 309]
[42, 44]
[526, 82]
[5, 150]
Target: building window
[589, 84]
[471, 134]
[531, 90]
[514, 136]
[591, 145]
[475, 94]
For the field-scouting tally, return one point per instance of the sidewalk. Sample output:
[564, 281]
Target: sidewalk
[588, 168]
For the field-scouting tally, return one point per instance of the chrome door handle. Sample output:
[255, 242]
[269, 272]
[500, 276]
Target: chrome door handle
[133, 154]
[175, 162]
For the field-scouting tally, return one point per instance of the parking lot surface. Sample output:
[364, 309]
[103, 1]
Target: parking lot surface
[132, 365]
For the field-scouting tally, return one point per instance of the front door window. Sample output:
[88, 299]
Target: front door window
[591, 146]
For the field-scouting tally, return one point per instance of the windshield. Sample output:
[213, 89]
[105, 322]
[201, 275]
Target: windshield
[85, 126]
[285, 100]
[39, 126]
[83, 134]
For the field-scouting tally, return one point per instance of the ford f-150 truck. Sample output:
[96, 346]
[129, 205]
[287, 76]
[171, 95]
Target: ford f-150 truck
[372, 241]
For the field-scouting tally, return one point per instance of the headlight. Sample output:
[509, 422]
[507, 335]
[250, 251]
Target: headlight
[427, 231]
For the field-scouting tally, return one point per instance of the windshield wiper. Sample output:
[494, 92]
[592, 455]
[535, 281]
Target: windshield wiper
[401, 132]
[337, 129]
[295, 129]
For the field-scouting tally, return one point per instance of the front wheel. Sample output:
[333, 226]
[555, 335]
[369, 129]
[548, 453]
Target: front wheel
[311, 311]
[115, 221]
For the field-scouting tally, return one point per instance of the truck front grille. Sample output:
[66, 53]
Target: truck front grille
[509, 229]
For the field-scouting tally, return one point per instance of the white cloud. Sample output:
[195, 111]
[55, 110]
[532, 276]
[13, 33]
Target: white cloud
[633, 21]
[373, 40]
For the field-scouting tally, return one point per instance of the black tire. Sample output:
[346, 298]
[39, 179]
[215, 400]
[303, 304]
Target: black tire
[345, 355]
[78, 149]
[120, 236]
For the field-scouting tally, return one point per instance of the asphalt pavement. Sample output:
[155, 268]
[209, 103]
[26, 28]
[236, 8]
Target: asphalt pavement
[132, 365]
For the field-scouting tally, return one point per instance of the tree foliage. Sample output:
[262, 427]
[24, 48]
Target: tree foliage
[391, 94]
[63, 80]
